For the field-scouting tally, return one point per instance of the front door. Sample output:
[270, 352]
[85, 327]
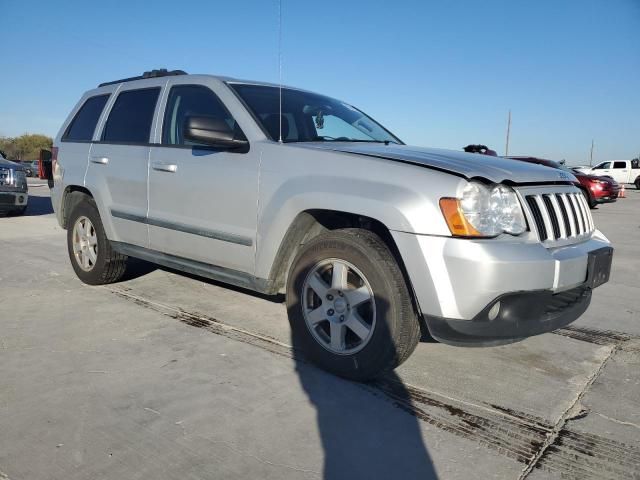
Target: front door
[603, 169]
[202, 201]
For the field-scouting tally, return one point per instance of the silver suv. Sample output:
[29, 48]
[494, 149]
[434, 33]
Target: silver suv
[371, 240]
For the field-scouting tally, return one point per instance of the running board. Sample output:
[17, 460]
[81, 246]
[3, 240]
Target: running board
[221, 274]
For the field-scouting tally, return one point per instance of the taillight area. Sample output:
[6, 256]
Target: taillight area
[54, 170]
[54, 158]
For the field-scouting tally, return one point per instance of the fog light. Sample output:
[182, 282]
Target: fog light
[493, 313]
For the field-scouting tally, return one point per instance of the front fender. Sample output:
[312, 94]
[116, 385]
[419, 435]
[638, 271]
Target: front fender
[397, 206]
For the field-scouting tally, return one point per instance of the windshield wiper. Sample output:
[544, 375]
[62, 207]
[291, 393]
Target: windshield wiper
[386, 142]
[320, 139]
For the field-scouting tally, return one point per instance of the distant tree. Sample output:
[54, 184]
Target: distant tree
[25, 147]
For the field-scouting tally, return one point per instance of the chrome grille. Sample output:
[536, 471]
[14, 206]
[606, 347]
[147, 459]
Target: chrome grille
[559, 216]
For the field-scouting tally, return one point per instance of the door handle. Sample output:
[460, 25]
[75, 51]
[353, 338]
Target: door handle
[165, 167]
[100, 160]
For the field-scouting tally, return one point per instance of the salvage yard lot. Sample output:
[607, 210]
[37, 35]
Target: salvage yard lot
[168, 376]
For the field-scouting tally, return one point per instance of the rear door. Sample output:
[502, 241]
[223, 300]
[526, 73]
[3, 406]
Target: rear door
[202, 200]
[620, 171]
[74, 142]
[118, 161]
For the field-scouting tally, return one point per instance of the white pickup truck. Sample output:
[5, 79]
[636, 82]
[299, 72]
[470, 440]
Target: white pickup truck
[622, 171]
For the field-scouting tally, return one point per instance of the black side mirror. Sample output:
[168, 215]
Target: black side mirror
[212, 131]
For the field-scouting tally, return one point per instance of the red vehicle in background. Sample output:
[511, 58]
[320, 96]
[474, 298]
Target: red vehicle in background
[596, 189]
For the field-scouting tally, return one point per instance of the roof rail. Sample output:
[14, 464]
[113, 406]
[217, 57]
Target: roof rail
[161, 72]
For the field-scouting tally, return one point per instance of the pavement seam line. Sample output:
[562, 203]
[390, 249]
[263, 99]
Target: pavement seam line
[530, 459]
[568, 414]
[486, 408]
[180, 311]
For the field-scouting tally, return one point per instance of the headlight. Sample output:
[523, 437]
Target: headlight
[484, 211]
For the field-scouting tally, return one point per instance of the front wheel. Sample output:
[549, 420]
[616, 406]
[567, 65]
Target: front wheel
[590, 200]
[349, 306]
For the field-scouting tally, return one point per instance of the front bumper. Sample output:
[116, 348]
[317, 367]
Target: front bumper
[606, 196]
[521, 315]
[456, 281]
[13, 200]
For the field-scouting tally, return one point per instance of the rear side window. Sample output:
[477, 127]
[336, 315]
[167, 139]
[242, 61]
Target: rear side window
[192, 100]
[131, 116]
[619, 165]
[84, 123]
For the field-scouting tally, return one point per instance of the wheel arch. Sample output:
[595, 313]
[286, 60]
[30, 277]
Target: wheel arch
[311, 223]
[71, 197]
[591, 199]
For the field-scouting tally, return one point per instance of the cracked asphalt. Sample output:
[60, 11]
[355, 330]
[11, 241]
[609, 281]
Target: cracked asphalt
[169, 376]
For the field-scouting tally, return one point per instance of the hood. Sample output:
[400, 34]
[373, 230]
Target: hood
[9, 164]
[603, 178]
[468, 165]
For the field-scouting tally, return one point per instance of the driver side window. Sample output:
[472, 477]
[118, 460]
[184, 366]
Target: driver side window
[602, 166]
[192, 100]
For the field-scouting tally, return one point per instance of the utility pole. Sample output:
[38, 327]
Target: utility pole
[506, 154]
[591, 155]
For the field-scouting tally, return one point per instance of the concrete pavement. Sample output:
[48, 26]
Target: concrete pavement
[171, 376]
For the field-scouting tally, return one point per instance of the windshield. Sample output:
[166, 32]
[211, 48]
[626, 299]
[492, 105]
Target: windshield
[308, 117]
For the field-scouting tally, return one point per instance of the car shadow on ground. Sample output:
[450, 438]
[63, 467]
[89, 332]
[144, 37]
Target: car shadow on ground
[38, 206]
[359, 438]
[138, 268]
[363, 433]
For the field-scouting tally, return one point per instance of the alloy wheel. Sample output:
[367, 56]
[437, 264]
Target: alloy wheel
[338, 306]
[85, 244]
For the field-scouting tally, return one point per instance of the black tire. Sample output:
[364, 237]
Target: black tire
[590, 200]
[637, 182]
[396, 331]
[110, 265]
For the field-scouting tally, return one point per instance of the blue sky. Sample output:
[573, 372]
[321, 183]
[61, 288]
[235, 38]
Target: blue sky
[436, 73]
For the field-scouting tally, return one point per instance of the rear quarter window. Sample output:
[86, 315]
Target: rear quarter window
[131, 117]
[84, 123]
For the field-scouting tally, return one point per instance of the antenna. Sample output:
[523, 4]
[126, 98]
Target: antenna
[280, 67]
[506, 154]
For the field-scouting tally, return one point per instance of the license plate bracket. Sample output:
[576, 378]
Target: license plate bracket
[599, 266]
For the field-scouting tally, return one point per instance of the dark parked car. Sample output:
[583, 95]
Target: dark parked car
[596, 189]
[13, 188]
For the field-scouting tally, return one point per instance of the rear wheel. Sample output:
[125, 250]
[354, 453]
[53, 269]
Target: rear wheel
[92, 257]
[637, 182]
[349, 306]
